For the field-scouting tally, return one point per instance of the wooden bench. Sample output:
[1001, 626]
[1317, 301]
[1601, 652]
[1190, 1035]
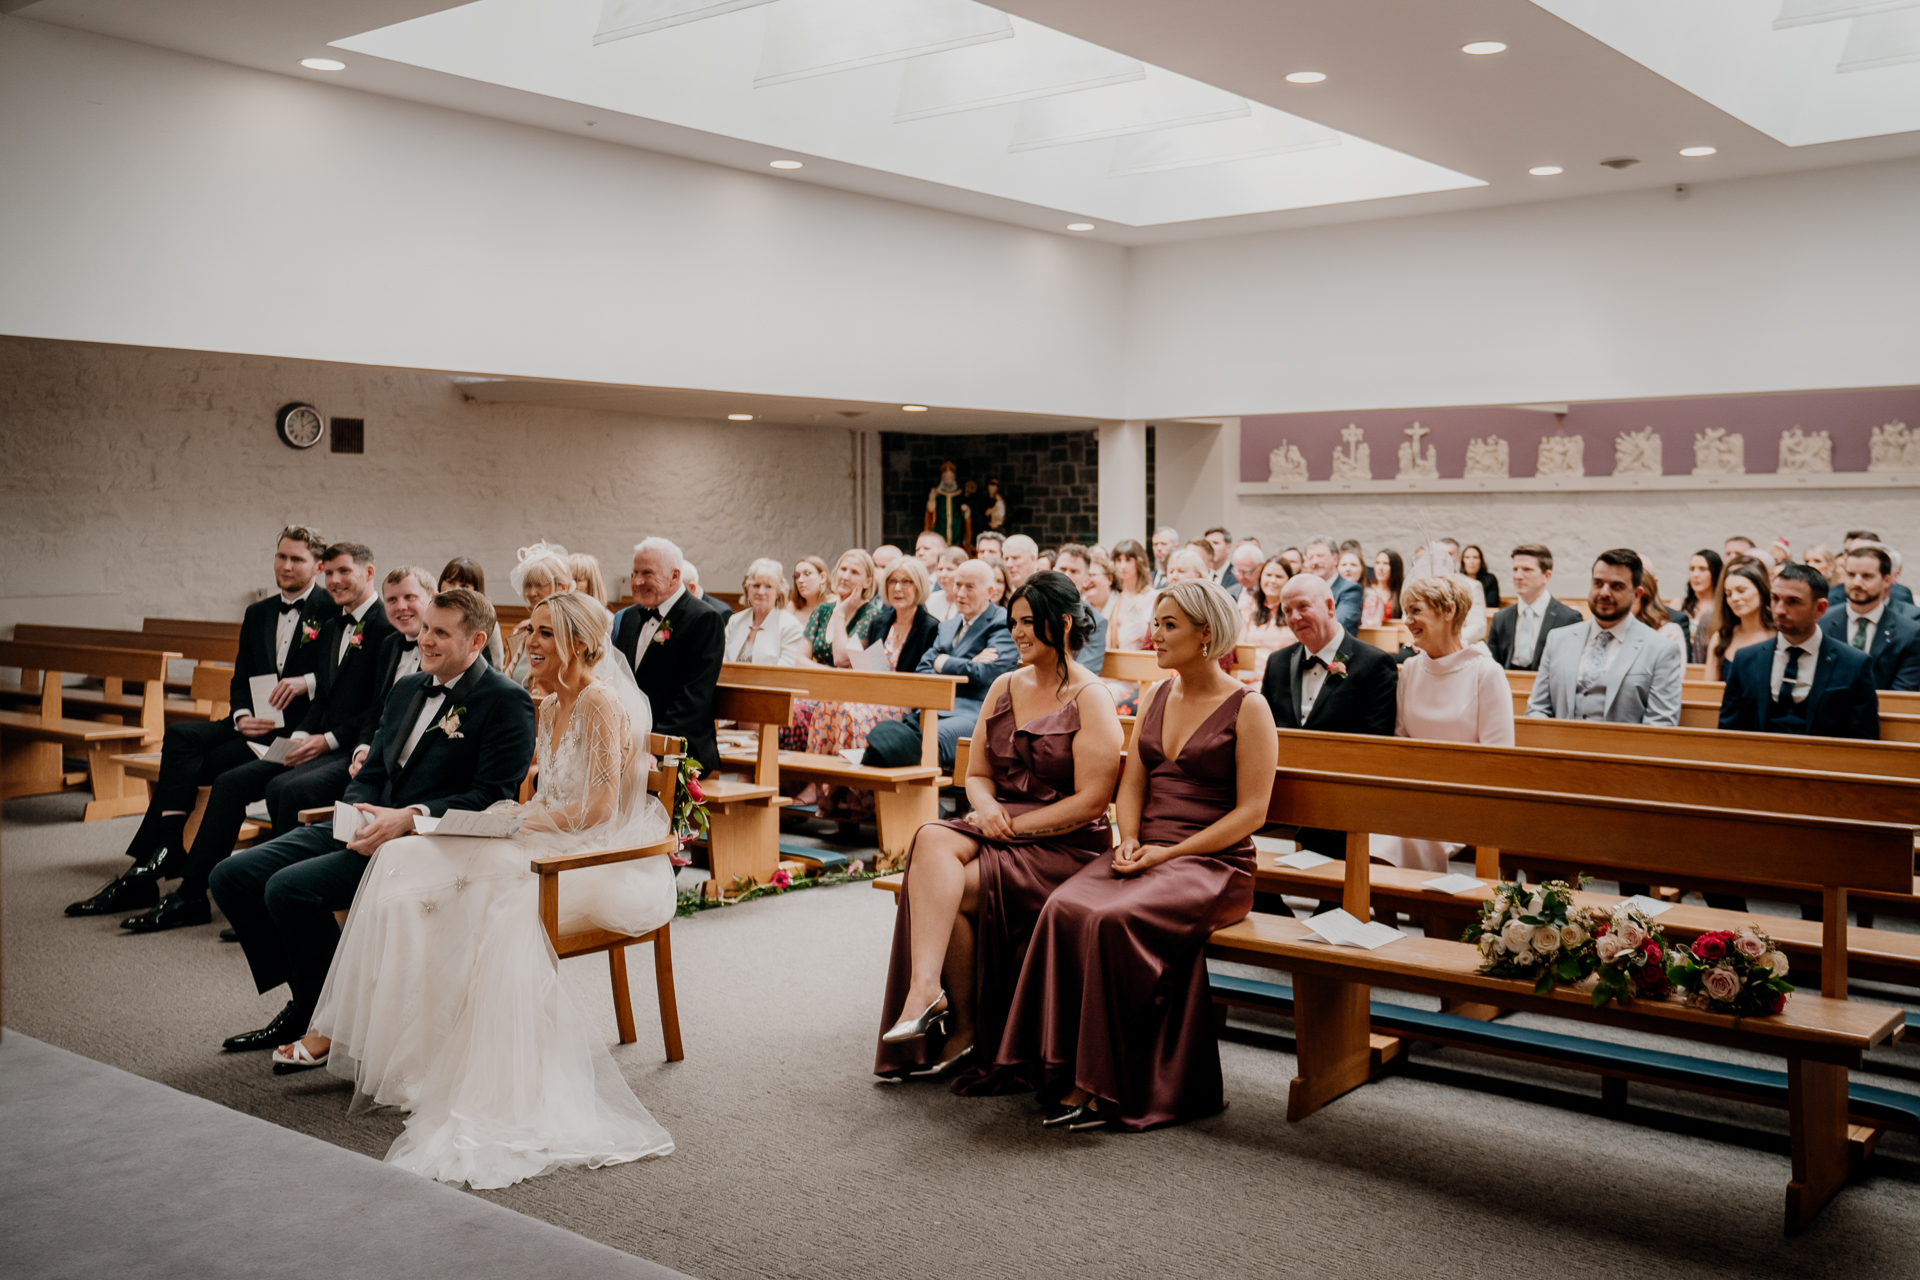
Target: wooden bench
[191, 648]
[214, 629]
[33, 742]
[1820, 1036]
[743, 814]
[212, 686]
[905, 797]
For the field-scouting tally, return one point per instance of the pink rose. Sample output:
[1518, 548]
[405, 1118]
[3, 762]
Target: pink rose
[1631, 934]
[1749, 945]
[781, 879]
[857, 867]
[1721, 984]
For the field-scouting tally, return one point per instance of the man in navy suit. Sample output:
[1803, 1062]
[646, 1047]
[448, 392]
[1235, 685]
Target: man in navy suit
[675, 643]
[1323, 562]
[974, 643]
[457, 736]
[1804, 682]
[1900, 596]
[1872, 621]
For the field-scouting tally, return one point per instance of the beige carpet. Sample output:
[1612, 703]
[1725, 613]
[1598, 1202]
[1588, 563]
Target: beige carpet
[792, 1161]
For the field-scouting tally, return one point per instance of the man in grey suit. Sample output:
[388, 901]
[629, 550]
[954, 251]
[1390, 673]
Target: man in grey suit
[1614, 667]
[1323, 562]
[1517, 634]
[974, 643]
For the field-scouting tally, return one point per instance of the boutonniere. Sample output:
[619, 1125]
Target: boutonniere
[664, 634]
[309, 630]
[449, 723]
[1337, 670]
[353, 638]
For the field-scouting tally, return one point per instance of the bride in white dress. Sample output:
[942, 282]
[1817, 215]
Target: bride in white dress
[445, 997]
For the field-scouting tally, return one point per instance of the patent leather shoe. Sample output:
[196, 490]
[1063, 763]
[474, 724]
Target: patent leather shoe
[284, 1029]
[154, 866]
[118, 897]
[229, 935]
[174, 912]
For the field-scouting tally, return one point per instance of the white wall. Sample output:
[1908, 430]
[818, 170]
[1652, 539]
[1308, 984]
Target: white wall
[146, 482]
[158, 199]
[1803, 281]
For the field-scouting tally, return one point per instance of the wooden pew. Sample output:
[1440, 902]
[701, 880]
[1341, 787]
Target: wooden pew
[904, 798]
[1723, 746]
[191, 648]
[743, 815]
[1820, 1036]
[1899, 707]
[211, 629]
[33, 742]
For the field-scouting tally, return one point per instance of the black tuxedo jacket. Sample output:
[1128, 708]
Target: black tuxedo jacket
[1895, 655]
[258, 649]
[924, 630]
[485, 762]
[678, 674]
[1362, 701]
[1504, 625]
[351, 691]
[386, 669]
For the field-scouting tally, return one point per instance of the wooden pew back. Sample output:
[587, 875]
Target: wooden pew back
[771, 709]
[1722, 746]
[209, 629]
[114, 667]
[197, 648]
[926, 694]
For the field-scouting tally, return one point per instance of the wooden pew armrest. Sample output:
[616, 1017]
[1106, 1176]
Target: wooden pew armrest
[319, 813]
[555, 864]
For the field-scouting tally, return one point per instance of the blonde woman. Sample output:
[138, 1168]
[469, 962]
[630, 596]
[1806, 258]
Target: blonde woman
[903, 630]
[587, 576]
[764, 632]
[1449, 691]
[940, 603]
[838, 625]
[810, 587]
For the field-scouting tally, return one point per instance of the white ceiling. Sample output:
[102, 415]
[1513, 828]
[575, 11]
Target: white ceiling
[1396, 78]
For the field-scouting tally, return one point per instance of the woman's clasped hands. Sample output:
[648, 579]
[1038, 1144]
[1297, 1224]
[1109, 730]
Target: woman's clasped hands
[1132, 857]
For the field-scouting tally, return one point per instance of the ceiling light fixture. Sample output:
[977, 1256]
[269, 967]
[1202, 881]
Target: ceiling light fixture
[1483, 47]
[1620, 162]
[785, 164]
[322, 64]
[1306, 77]
[1079, 226]
[1698, 151]
[1546, 170]
[739, 417]
[913, 408]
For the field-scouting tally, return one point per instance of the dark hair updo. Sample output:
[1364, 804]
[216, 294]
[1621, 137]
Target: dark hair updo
[1055, 601]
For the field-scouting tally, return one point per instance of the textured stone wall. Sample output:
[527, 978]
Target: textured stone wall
[1051, 482]
[140, 481]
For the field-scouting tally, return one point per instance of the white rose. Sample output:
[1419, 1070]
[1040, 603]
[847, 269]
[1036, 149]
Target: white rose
[1546, 939]
[1535, 905]
[1722, 984]
[1631, 935]
[1517, 936]
[1573, 934]
[1608, 947]
[1488, 944]
[1779, 963]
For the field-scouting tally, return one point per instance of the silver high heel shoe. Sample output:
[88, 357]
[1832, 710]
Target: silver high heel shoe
[941, 1070]
[932, 1018]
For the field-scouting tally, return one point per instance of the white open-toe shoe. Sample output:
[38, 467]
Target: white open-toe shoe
[289, 1058]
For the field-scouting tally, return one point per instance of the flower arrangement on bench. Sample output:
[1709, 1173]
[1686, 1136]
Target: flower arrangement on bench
[1737, 972]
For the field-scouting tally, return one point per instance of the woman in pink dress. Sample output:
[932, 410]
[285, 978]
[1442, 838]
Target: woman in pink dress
[1112, 1019]
[1449, 692]
[1040, 776]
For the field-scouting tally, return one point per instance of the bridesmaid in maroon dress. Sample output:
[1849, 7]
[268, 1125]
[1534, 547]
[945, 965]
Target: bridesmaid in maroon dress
[1112, 1019]
[1040, 776]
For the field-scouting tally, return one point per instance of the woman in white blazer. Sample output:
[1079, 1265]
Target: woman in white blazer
[764, 632]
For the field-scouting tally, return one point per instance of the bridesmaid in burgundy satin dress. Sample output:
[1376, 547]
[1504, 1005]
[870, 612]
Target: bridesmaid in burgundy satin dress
[1045, 758]
[1112, 1018]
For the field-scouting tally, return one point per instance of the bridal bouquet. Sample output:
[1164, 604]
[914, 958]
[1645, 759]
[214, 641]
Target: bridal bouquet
[1533, 932]
[1742, 973]
[1629, 955]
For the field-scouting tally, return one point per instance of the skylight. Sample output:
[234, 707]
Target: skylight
[946, 91]
[1800, 71]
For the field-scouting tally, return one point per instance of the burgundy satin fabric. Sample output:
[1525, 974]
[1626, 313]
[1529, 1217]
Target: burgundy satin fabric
[1114, 995]
[1032, 766]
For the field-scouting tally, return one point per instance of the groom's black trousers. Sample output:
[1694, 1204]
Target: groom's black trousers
[280, 898]
[193, 754]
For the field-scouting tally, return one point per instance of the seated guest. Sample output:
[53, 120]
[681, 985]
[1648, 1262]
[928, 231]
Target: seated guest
[462, 571]
[1743, 614]
[1263, 622]
[1449, 691]
[1187, 564]
[833, 726]
[1780, 551]
[1324, 563]
[1112, 1018]
[928, 548]
[457, 736]
[885, 554]
[1020, 555]
[1821, 557]
[940, 603]
[991, 542]
[810, 588]
[1872, 623]
[1473, 563]
[1001, 586]
[1245, 563]
[846, 617]
[675, 646]
[1042, 560]
[541, 571]
[690, 575]
[1217, 547]
[1613, 667]
[1039, 780]
[1703, 587]
[1669, 624]
[277, 637]
[1389, 576]
[902, 625]
[1899, 593]
[1798, 684]
[1738, 545]
[1131, 616]
[1353, 567]
[1076, 562]
[588, 579]
[764, 632]
[339, 693]
[973, 643]
[1517, 634]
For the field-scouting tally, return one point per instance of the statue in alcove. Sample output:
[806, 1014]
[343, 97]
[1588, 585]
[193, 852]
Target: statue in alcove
[996, 507]
[947, 514]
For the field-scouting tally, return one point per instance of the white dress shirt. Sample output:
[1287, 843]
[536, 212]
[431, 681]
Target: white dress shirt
[1871, 617]
[1619, 631]
[409, 664]
[652, 625]
[1526, 627]
[1803, 677]
[1313, 679]
[283, 629]
[429, 712]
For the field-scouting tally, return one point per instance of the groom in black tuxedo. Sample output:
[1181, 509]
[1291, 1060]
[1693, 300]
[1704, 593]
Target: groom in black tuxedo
[457, 736]
[675, 644]
[1329, 682]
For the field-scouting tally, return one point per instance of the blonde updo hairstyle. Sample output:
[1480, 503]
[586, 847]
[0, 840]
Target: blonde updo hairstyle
[1209, 606]
[1446, 597]
[580, 625]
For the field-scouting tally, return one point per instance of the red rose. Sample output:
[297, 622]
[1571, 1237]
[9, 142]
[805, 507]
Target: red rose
[1710, 947]
[693, 789]
[1652, 951]
[1780, 1002]
[1600, 930]
[1653, 976]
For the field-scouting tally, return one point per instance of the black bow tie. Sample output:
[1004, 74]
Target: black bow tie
[408, 646]
[291, 606]
[646, 615]
[439, 691]
[1315, 660]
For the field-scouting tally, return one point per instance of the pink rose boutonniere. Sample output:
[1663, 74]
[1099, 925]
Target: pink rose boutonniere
[664, 634]
[1337, 669]
[353, 639]
[309, 631]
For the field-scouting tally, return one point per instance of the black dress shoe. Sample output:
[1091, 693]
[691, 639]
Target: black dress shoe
[120, 896]
[174, 912]
[154, 866]
[229, 935]
[284, 1029]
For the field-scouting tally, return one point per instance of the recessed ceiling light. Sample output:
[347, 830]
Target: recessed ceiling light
[785, 164]
[1306, 77]
[1546, 170]
[1698, 151]
[739, 417]
[1483, 46]
[1079, 226]
[322, 64]
[914, 408]
[1620, 162]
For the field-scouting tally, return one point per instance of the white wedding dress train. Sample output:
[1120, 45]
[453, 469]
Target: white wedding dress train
[445, 997]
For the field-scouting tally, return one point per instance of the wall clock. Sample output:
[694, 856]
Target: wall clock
[300, 425]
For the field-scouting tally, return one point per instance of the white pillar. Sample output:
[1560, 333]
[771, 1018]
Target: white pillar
[1195, 466]
[1123, 481]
